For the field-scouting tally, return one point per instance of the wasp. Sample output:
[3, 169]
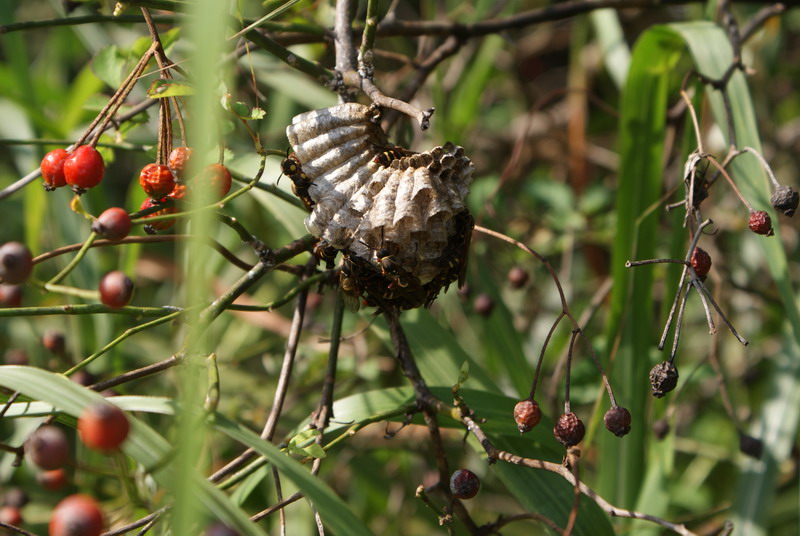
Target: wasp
[349, 288]
[387, 154]
[323, 251]
[300, 182]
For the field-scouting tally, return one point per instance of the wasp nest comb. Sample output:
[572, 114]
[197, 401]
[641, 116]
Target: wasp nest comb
[398, 217]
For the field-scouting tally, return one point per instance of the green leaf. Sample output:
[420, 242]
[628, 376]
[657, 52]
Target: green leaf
[107, 66]
[463, 375]
[163, 88]
[333, 511]
[143, 444]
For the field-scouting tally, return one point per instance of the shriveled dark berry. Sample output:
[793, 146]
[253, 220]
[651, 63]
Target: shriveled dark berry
[15, 497]
[751, 446]
[785, 200]
[517, 277]
[220, 529]
[527, 415]
[483, 305]
[16, 263]
[701, 262]
[114, 223]
[48, 447]
[618, 421]
[15, 356]
[663, 378]
[54, 341]
[464, 484]
[10, 295]
[661, 429]
[760, 223]
[569, 429]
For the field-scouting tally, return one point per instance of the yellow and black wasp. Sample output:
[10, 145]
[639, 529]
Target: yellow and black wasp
[291, 167]
[387, 154]
[323, 251]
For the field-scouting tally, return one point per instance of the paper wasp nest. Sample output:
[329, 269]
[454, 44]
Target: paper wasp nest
[398, 217]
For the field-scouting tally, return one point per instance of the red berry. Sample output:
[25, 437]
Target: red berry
[53, 480]
[16, 263]
[160, 225]
[103, 427]
[760, 223]
[10, 515]
[10, 295]
[114, 223]
[54, 341]
[156, 180]
[219, 178]
[464, 484]
[77, 515]
[569, 429]
[527, 415]
[179, 160]
[701, 262]
[179, 192]
[84, 168]
[48, 447]
[116, 290]
[52, 167]
[618, 421]
[517, 277]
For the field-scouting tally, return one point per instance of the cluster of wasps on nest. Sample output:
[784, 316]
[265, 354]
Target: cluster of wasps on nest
[397, 217]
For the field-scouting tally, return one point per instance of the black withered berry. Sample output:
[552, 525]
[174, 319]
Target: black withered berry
[751, 446]
[663, 378]
[16, 263]
[464, 484]
[618, 421]
[527, 415]
[569, 429]
[785, 200]
[661, 429]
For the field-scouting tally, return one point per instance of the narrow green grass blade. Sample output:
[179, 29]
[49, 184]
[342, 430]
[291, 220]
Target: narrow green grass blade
[143, 444]
[332, 509]
[631, 322]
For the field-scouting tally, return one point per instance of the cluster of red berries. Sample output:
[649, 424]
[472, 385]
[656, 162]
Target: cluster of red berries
[83, 168]
[569, 429]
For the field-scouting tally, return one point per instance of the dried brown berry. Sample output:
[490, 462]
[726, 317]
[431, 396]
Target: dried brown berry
[83, 377]
[663, 378]
[527, 415]
[569, 429]
[517, 277]
[751, 446]
[464, 484]
[16, 263]
[618, 421]
[661, 429]
[701, 262]
[760, 223]
[483, 305]
[156, 180]
[48, 447]
[785, 200]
